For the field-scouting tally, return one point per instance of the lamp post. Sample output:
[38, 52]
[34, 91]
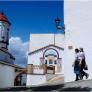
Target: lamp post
[57, 20]
[58, 27]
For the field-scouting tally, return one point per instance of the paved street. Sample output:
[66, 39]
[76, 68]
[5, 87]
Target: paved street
[70, 86]
[84, 85]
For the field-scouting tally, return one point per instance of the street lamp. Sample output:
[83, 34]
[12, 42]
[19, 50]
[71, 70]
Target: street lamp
[57, 20]
[58, 27]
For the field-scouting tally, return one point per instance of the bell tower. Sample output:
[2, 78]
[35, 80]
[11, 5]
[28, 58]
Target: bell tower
[4, 32]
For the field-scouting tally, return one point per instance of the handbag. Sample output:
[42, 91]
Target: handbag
[86, 67]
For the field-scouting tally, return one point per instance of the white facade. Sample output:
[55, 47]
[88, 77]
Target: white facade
[35, 79]
[77, 18]
[43, 50]
[41, 40]
[36, 57]
[7, 75]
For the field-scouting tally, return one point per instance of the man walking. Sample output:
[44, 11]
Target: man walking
[82, 64]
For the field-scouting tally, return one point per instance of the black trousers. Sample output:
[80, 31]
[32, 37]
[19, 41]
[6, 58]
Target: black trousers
[77, 77]
[83, 73]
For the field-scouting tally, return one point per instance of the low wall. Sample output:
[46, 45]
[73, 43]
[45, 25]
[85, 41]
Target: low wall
[35, 79]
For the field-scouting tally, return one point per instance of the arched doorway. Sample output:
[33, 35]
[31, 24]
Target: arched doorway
[18, 79]
[52, 60]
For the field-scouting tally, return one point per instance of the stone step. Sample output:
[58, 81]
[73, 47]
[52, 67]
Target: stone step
[54, 78]
[50, 76]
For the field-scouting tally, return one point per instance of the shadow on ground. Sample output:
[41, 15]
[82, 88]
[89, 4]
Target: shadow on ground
[57, 88]
[75, 89]
[14, 89]
[40, 88]
[60, 88]
[48, 88]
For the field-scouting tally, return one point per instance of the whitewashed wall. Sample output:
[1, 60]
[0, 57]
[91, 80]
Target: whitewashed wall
[41, 40]
[35, 79]
[35, 58]
[7, 75]
[78, 21]
[38, 41]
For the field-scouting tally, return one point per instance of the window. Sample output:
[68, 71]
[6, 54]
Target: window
[55, 62]
[50, 61]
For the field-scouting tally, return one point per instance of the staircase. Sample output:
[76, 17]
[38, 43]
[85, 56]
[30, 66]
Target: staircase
[54, 78]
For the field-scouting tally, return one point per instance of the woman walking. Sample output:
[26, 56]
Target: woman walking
[76, 65]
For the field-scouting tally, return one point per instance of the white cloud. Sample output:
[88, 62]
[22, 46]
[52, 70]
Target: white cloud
[19, 49]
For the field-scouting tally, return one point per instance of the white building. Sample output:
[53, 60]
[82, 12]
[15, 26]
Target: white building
[45, 57]
[8, 71]
[77, 20]
[8, 74]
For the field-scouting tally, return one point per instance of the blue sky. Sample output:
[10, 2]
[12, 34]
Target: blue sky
[32, 16]
[29, 17]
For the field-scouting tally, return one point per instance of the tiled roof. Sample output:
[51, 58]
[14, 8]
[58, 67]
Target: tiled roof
[3, 17]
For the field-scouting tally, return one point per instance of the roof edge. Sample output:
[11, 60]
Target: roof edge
[44, 48]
